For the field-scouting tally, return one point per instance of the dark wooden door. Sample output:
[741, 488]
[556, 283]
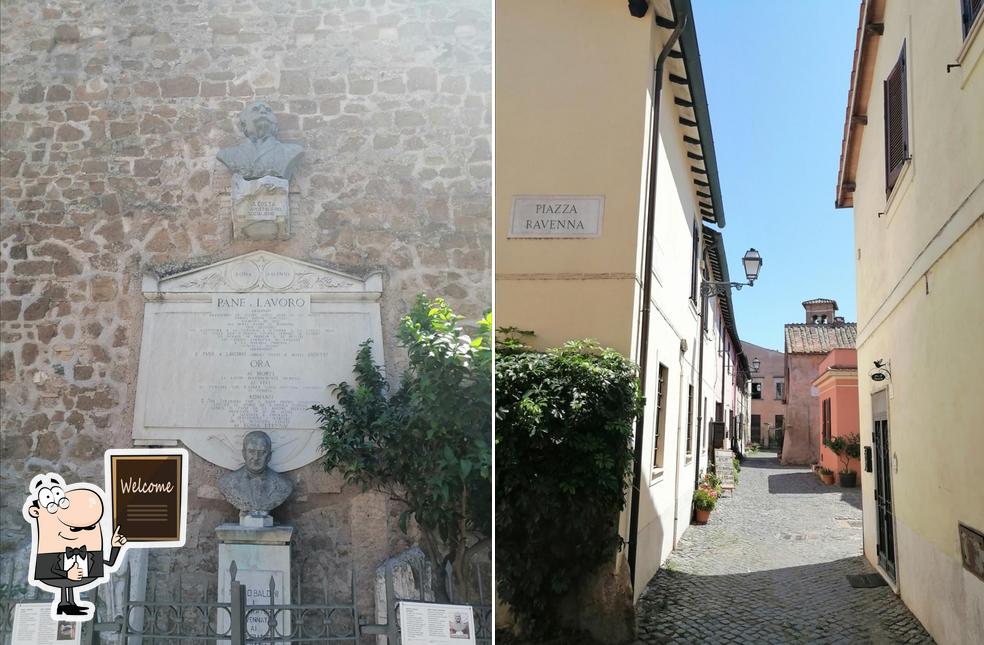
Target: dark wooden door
[756, 428]
[883, 497]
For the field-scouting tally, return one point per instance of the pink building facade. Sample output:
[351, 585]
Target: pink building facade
[807, 346]
[768, 397]
[837, 393]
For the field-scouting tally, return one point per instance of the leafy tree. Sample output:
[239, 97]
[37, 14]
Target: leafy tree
[563, 455]
[428, 445]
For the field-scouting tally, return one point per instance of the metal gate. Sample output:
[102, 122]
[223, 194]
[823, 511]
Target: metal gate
[173, 620]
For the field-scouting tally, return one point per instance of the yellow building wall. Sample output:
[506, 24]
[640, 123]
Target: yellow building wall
[920, 290]
[571, 88]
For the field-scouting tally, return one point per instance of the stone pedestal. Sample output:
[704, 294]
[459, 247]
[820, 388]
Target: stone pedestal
[259, 557]
[260, 208]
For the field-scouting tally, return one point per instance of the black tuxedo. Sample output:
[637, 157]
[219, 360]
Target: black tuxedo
[49, 570]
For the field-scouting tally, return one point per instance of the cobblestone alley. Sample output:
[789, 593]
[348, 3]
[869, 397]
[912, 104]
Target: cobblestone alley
[771, 567]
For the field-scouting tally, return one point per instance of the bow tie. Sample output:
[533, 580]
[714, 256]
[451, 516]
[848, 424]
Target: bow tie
[71, 553]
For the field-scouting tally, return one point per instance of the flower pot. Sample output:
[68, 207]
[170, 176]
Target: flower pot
[827, 480]
[701, 516]
[849, 479]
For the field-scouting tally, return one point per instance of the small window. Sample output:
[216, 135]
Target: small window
[779, 389]
[694, 262]
[896, 123]
[690, 419]
[969, 10]
[826, 419]
[703, 302]
[756, 389]
[660, 417]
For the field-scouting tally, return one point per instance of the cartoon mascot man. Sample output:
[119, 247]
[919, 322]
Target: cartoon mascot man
[67, 546]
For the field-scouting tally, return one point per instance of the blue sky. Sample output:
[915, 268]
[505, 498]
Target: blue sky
[777, 74]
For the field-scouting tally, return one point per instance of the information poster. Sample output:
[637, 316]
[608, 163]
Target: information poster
[149, 495]
[33, 626]
[424, 623]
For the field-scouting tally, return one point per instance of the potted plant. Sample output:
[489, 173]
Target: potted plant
[846, 448]
[705, 499]
[826, 476]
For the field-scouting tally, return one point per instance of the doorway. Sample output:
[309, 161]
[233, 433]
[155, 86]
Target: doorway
[885, 519]
[756, 428]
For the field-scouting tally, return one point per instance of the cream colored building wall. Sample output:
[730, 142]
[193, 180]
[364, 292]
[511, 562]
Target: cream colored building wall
[921, 262]
[664, 509]
[571, 88]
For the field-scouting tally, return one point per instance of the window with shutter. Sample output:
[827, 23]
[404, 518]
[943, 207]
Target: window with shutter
[896, 123]
[969, 10]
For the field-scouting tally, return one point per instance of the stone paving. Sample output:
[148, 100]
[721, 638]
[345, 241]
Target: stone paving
[771, 567]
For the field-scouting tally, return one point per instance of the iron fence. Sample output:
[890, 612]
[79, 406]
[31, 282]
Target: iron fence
[176, 619]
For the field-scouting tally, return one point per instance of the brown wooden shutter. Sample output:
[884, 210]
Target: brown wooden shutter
[896, 123]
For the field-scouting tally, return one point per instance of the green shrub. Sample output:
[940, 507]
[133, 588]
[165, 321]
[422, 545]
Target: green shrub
[563, 455]
[705, 499]
[712, 480]
[429, 445]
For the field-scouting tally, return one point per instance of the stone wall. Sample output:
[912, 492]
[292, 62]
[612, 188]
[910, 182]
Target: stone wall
[802, 439]
[112, 113]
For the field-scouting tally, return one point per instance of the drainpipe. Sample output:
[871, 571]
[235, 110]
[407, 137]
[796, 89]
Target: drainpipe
[700, 381]
[647, 285]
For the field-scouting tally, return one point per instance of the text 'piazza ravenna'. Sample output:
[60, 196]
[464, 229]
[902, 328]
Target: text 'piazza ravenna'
[556, 216]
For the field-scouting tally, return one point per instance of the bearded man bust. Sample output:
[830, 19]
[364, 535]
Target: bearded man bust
[261, 155]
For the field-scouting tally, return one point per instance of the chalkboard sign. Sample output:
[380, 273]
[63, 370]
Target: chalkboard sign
[148, 491]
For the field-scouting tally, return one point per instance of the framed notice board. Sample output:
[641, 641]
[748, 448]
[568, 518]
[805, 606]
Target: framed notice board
[148, 492]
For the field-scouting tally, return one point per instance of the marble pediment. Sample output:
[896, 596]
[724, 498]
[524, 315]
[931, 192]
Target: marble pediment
[261, 271]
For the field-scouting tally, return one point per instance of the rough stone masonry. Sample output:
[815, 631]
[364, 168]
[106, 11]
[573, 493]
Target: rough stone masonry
[112, 113]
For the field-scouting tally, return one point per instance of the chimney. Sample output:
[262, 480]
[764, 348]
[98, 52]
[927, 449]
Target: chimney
[820, 311]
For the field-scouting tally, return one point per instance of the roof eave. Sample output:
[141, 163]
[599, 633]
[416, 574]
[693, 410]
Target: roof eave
[871, 13]
[698, 95]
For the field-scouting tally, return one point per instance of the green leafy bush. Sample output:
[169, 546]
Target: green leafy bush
[705, 499]
[712, 480]
[429, 445]
[563, 455]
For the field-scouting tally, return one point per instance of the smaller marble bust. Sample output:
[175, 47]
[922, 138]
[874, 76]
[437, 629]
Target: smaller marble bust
[262, 155]
[256, 489]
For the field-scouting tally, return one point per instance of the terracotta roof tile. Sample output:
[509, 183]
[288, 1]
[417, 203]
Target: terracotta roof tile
[806, 338]
[817, 301]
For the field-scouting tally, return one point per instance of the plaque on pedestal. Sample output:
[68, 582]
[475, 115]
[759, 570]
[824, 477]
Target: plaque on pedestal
[260, 559]
[260, 209]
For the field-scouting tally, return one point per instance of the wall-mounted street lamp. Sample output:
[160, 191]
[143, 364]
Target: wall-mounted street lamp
[752, 262]
[756, 363]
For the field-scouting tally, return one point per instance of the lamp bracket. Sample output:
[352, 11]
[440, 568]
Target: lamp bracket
[709, 288]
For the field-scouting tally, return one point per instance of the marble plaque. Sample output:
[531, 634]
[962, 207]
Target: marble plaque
[250, 343]
[556, 216]
[260, 209]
